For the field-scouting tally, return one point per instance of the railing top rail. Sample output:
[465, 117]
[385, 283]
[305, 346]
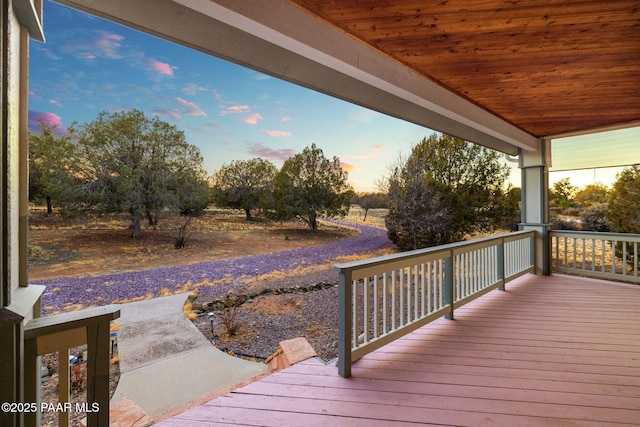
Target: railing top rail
[444, 249]
[67, 321]
[630, 237]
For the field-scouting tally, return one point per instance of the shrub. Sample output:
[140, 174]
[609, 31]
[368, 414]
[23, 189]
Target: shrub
[187, 309]
[571, 211]
[624, 200]
[560, 223]
[180, 241]
[594, 218]
[230, 321]
[78, 379]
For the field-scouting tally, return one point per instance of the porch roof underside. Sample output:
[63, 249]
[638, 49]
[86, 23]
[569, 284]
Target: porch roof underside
[498, 73]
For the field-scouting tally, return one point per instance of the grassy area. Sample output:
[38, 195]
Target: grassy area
[375, 217]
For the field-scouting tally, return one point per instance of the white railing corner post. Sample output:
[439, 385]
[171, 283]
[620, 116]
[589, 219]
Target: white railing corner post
[449, 294]
[98, 374]
[533, 253]
[32, 382]
[344, 323]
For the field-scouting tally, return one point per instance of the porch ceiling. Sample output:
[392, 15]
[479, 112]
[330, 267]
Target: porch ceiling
[548, 67]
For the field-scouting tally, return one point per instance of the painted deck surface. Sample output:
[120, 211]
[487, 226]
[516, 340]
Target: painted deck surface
[551, 351]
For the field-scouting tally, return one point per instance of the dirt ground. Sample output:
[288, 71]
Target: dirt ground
[61, 247]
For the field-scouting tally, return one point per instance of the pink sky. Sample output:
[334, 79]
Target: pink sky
[35, 117]
[160, 67]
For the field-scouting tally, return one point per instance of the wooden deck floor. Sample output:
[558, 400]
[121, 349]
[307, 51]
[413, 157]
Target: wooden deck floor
[551, 351]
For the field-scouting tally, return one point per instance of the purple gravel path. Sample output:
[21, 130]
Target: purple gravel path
[104, 289]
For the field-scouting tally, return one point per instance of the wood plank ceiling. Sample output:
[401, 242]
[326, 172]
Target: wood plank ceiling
[548, 67]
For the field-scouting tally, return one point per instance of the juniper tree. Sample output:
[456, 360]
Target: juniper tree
[139, 165]
[309, 185]
[446, 188]
[243, 184]
[53, 165]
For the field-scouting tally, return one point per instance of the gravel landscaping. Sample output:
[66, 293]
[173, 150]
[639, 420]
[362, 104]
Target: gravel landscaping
[208, 279]
[263, 321]
[289, 312]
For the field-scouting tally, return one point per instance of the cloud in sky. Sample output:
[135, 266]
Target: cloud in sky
[103, 45]
[252, 119]
[193, 109]
[108, 43]
[261, 150]
[186, 103]
[47, 52]
[55, 102]
[193, 88]
[369, 152]
[167, 113]
[85, 55]
[35, 117]
[235, 109]
[285, 119]
[348, 167]
[277, 133]
[160, 67]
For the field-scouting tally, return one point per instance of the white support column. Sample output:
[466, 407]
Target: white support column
[534, 166]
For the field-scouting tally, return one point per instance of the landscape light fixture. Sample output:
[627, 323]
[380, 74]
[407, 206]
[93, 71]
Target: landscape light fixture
[211, 316]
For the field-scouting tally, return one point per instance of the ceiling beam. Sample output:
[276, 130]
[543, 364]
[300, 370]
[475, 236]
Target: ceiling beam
[628, 125]
[29, 14]
[279, 39]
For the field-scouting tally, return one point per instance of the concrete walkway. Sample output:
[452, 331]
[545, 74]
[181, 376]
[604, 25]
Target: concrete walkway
[166, 362]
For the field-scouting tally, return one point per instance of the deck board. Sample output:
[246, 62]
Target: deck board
[556, 350]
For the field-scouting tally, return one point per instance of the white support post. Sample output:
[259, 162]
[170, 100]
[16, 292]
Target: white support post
[535, 202]
[449, 283]
[500, 265]
[345, 320]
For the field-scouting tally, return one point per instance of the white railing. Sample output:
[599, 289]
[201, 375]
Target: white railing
[384, 298]
[59, 333]
[589, 253]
